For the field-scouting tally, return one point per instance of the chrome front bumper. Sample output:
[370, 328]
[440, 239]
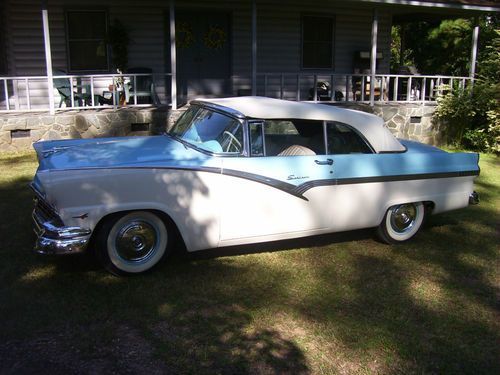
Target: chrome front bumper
[52, 236]
[59, 240]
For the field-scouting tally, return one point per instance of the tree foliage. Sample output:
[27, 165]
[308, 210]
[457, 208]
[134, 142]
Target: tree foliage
[441, 47]
[473, 115]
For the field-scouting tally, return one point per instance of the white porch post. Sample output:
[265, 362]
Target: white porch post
[254, 47]
[173, 57]
[373, 56]
[473, 54]
[48, 56]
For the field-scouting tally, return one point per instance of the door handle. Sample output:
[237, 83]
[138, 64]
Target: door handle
[324, 162]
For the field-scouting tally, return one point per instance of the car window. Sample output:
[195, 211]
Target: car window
[280, 127]
[209, 130]
[342, 139]
[256, 138]
[293, 137]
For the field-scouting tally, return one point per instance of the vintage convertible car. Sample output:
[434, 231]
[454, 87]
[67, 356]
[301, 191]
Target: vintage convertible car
[240, 170]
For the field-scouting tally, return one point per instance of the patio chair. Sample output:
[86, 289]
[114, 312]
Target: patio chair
[322, 91]
[144, 89]
[63, 86]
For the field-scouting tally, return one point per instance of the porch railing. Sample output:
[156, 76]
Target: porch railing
[118, 90]
[32, 93]
[357, 87]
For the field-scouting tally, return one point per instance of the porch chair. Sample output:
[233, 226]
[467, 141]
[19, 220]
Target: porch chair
[322, 91]
[145, 88]
[63, 86]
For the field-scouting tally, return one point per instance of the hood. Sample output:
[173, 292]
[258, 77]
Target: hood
[114, 152]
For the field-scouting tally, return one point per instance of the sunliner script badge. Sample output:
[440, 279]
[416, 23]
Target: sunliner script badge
[293, 177]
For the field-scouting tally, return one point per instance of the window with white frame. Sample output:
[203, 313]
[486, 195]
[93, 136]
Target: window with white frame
[317, 42]
[86, 40]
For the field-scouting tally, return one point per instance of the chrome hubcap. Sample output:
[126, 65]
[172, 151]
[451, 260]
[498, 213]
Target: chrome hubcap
[136, 241]
[403, 217]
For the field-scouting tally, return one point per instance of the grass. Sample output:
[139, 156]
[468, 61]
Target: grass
[341, 303]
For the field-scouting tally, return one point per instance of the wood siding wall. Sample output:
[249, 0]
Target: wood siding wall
[278, 28]
[279, 35]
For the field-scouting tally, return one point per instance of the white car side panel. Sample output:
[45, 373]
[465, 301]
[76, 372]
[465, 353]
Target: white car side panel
[190, 198]
[358, 206]
[214, 210]
[251, 209]
[269, 214]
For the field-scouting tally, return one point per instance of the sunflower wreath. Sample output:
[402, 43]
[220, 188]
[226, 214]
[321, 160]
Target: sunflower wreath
[215, 38]
[184, 37]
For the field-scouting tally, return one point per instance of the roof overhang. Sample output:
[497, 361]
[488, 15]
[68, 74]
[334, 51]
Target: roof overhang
[464, 5]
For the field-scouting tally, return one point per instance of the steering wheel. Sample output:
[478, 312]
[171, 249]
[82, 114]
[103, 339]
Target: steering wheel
[233, 142]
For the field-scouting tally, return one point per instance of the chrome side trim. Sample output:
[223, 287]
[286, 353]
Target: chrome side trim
[299, 190]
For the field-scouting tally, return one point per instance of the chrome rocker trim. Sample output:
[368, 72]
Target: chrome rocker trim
[59, 240]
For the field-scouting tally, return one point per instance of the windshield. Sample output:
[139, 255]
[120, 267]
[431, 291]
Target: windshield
[209, 130]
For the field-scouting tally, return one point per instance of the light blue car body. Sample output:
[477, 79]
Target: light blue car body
[244, 198]
[419, 161]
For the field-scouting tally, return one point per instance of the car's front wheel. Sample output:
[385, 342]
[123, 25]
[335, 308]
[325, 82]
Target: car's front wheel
[132, 243]
[401, 222]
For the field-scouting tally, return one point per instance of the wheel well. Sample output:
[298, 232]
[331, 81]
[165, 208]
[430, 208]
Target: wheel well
[429, 206]
[169, 223]
[167, 220]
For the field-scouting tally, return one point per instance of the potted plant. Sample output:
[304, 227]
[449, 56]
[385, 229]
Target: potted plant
[118, 39]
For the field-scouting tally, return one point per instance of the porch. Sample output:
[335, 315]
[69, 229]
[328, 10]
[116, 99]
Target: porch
[227, 48]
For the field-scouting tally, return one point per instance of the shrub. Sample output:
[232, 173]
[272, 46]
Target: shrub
[493, 141]
[472, 116]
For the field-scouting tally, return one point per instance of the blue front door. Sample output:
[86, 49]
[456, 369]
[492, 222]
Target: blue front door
[203, 53]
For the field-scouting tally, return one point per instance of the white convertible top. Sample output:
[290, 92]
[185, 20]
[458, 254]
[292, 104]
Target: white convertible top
[257, 107]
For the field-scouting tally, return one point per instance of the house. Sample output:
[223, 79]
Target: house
[57, 59]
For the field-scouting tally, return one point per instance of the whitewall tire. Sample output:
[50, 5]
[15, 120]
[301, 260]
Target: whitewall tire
[132, 243]
[401, 222]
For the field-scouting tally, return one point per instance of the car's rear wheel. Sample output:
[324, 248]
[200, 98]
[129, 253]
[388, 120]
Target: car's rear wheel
[132, 243]
[401, 222]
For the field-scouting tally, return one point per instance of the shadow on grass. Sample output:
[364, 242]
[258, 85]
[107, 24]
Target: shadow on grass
[428, 306]
[182, 313]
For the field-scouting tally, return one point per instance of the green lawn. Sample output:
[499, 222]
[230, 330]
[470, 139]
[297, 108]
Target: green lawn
[342, 303]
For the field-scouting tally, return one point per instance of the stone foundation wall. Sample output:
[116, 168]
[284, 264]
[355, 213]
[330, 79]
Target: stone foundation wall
[18, 131]
[408, 121]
